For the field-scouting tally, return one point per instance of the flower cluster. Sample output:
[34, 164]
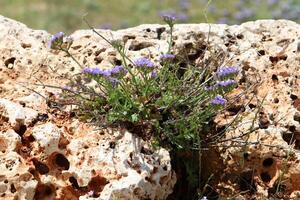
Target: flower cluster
[118, 70]
[226, 83]
[60, 41]
[167, 57]
[223, 85]
[97, 71]
[227, 71]
[169, 17]
[144, 63]
[111, 75]
[218, 101]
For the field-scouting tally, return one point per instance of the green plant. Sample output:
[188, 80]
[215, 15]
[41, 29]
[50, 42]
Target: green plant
[173, 102]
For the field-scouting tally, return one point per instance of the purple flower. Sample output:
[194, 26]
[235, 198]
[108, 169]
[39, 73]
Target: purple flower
[68, 39]
[166, 57]
[56, 40]
[97, 71]
[225, 71]
[153, 74]
[119, 69]
[114, 81]
[168, 17]
[144, 62]
[218, 100]
[226, 83]
[105, 72]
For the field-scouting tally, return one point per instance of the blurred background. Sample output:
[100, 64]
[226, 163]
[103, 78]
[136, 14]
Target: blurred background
[66, 15]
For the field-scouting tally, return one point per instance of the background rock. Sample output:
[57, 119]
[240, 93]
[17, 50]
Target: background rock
[260, 155]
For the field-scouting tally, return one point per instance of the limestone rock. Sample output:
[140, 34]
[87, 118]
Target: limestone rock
[260, 155]
[16, 114]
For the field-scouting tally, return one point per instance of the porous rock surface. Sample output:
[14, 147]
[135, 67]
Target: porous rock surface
[47, 154]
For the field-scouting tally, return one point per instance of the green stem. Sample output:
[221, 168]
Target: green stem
[171, 39]
[73, 58]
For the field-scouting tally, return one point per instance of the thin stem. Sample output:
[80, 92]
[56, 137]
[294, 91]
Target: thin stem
[73, 58]
[171, 39]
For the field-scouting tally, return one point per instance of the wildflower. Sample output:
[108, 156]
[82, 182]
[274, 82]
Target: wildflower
[153, 74]
[144, 62]
[225, 71]
[166, 57]
[97, 71]
[119, 69]
[218, 100]
[226, 83]
[204, 198]
[68, 39]
[114, 81]
[168, 17]
[56, 40]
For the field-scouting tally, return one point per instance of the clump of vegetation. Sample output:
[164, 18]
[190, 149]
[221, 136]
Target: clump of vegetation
[169, 103]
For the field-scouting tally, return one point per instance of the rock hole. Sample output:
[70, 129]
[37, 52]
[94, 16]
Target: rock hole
[240, 36]
[97, 184]
[61, 161]
[268, 162]
[24, 45]
[112, 144]
[42, 168]
[246, 182]
[263, 122]
[20, 130]
[12, 188]
[136, 45]
[265, 177]
[9, 61]
[148, 30]
[117, 62]
[159, 31]
[261, 52]
[44, 191]
[292, 129]
[293, 97]
[276, 100]
[235, 109]
[288, 137]
[274, 77]
[74, 182]
[146, 151]
[252, 106]
[297, 117]
[246, 156]
[42, 117]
